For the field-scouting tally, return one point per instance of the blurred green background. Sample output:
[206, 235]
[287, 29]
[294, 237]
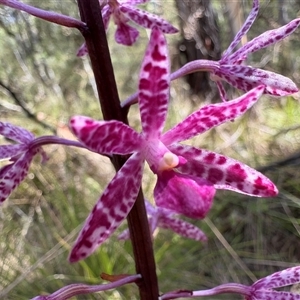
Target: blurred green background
[43, 83]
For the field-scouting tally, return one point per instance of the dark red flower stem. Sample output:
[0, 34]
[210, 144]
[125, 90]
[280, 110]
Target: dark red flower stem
[97, 46]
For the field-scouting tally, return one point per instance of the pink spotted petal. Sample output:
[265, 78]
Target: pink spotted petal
[243, 31]
[246, 78]
[126, 35]
[154, 85]
[7, 151]
[186, 195]
[13, 174]
[210, 116]
[106, 137]
[15, 133]
[266, 39]
[182, 228]
[146, 19]
[279, 279]
[224, 172]
[110, 210]
[82, 51]
[273, 295]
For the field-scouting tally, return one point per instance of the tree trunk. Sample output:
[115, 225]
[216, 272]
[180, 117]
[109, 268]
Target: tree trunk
[200, 40]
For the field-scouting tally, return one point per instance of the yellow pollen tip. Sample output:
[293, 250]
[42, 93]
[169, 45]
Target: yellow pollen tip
[168, 161]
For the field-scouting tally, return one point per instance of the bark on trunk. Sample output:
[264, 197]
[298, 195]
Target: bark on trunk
[200, 40]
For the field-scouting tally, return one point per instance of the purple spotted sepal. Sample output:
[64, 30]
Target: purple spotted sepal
[123, 12]
[159, 217]
[20, 155]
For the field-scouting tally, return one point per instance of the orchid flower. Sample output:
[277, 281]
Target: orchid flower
[230, 69]
[21, 155]
[123, 11]
[262, 289]
[187, 176]
[166, 218]
[246, 77]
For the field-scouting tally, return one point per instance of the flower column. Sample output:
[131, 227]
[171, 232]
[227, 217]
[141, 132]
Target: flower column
[96, 42]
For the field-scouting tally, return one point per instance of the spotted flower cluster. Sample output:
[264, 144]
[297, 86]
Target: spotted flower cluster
[123, 11]
[231, 67]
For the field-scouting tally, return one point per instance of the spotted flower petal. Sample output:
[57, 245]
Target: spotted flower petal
[126, 34]
[182, 228]
[111, 209]
[15, 133]
[168, 219]
[264, 40]
[246, 78]
[146, 19]
[154, 86]
[13, 174]
[224, 172]
[7, 151]
[243, 31]
[210, 116]
[105, 137]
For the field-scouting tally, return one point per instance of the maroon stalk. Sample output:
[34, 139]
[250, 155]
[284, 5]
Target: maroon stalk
[97, 46]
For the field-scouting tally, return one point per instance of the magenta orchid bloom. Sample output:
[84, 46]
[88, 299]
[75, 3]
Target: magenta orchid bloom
[187, 176]
[21, 154]
[230, 69]
[123, 11]
[167, 219]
